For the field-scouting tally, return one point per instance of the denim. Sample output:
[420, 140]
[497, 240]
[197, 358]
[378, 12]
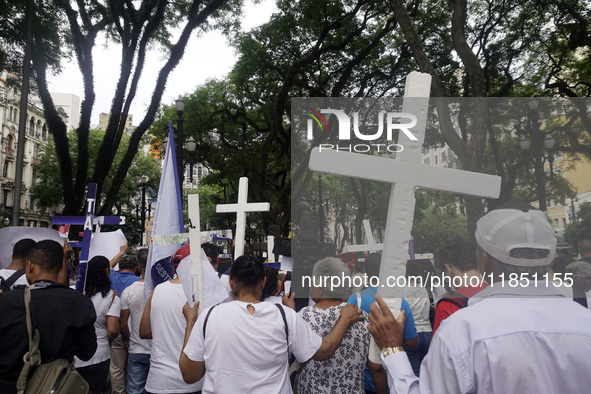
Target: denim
[138, 366]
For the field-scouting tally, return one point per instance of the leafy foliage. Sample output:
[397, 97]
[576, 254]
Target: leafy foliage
[48, 193]
[581, 228]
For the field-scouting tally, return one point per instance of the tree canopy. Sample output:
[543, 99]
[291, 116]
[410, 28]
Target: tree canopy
[136, 27]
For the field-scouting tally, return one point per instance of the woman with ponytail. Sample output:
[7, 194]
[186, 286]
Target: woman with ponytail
[107, 307]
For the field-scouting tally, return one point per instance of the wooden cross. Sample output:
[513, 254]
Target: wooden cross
[241, 208]
[88, 221]
[404, 173]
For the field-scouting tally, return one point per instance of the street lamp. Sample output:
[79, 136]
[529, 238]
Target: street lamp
[191, 145]
[180, 106]
[536, 144]
[143, 212]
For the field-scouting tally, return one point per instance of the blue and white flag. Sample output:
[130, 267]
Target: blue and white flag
[168, 219]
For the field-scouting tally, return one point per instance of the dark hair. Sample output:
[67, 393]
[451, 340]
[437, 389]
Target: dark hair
[559, 265]
[270, 289]
[128, 262]
[246, 271]
[142, 257]
[97, 280]
[211, 251]
[48, 255]
[372, 264]
[22, 248]
[584, 245]
[458, 253]
[421, 267]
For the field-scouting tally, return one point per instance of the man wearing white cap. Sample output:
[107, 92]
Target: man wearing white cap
[516, 336]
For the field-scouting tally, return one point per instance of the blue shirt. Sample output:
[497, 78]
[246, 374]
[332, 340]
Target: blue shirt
[120, 280]
[367, 297]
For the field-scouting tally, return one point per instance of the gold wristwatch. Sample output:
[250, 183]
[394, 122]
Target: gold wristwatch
[390, 350]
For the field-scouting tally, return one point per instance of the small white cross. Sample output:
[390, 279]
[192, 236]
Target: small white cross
[370, 246]
[241, 208]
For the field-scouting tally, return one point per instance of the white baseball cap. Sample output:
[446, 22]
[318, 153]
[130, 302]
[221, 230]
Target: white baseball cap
[517, 225]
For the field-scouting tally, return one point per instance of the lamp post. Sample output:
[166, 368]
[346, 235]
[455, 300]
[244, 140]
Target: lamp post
[150, 201]
[191, 145]
[536, 144]
[180, 106]
[143, 212]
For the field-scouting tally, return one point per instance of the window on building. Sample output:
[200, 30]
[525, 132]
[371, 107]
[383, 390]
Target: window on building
[5, 170]
[555, 222]
[563, 222]
[44, 224]
[436, 160]
[443, 156]
[427, 161]
[9, 145]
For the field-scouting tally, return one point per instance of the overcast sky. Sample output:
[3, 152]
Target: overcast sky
[206, 57]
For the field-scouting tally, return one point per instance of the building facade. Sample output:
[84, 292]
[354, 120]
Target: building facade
[36, 135]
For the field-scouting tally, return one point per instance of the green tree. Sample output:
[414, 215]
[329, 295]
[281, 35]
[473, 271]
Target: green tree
[137, 27]
[581, 228]
[437, 221]
[48, 193]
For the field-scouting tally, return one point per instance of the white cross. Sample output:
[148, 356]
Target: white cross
[404, 173]
[241, 208]
[195, 239]
[370, 246]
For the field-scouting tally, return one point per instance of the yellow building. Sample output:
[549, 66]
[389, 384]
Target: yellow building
[579, 175]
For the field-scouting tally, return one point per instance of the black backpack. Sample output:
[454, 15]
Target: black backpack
[6, 284]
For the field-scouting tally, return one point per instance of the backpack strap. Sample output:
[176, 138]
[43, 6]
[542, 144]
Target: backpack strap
[206, 318]
[456, 299]
[33, 356]
[284, 322]
[13, 278]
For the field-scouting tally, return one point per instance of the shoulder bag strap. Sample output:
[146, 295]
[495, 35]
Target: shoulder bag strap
[33, 357]
[284, 322]
[207, 318]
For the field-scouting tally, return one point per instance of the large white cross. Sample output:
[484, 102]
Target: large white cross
[241, 208]
[404, 173]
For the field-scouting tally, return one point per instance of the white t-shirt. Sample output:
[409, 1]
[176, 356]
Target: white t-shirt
[6, 273]
[246, 353]
[420, 305]
[168, 334]
[132, 299]
[274, 299]
[104, 306]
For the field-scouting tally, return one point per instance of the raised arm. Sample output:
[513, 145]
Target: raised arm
[192, 371]
[330, 343]
[114, 260]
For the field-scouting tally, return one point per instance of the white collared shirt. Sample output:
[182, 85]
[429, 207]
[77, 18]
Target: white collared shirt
[509, 340]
